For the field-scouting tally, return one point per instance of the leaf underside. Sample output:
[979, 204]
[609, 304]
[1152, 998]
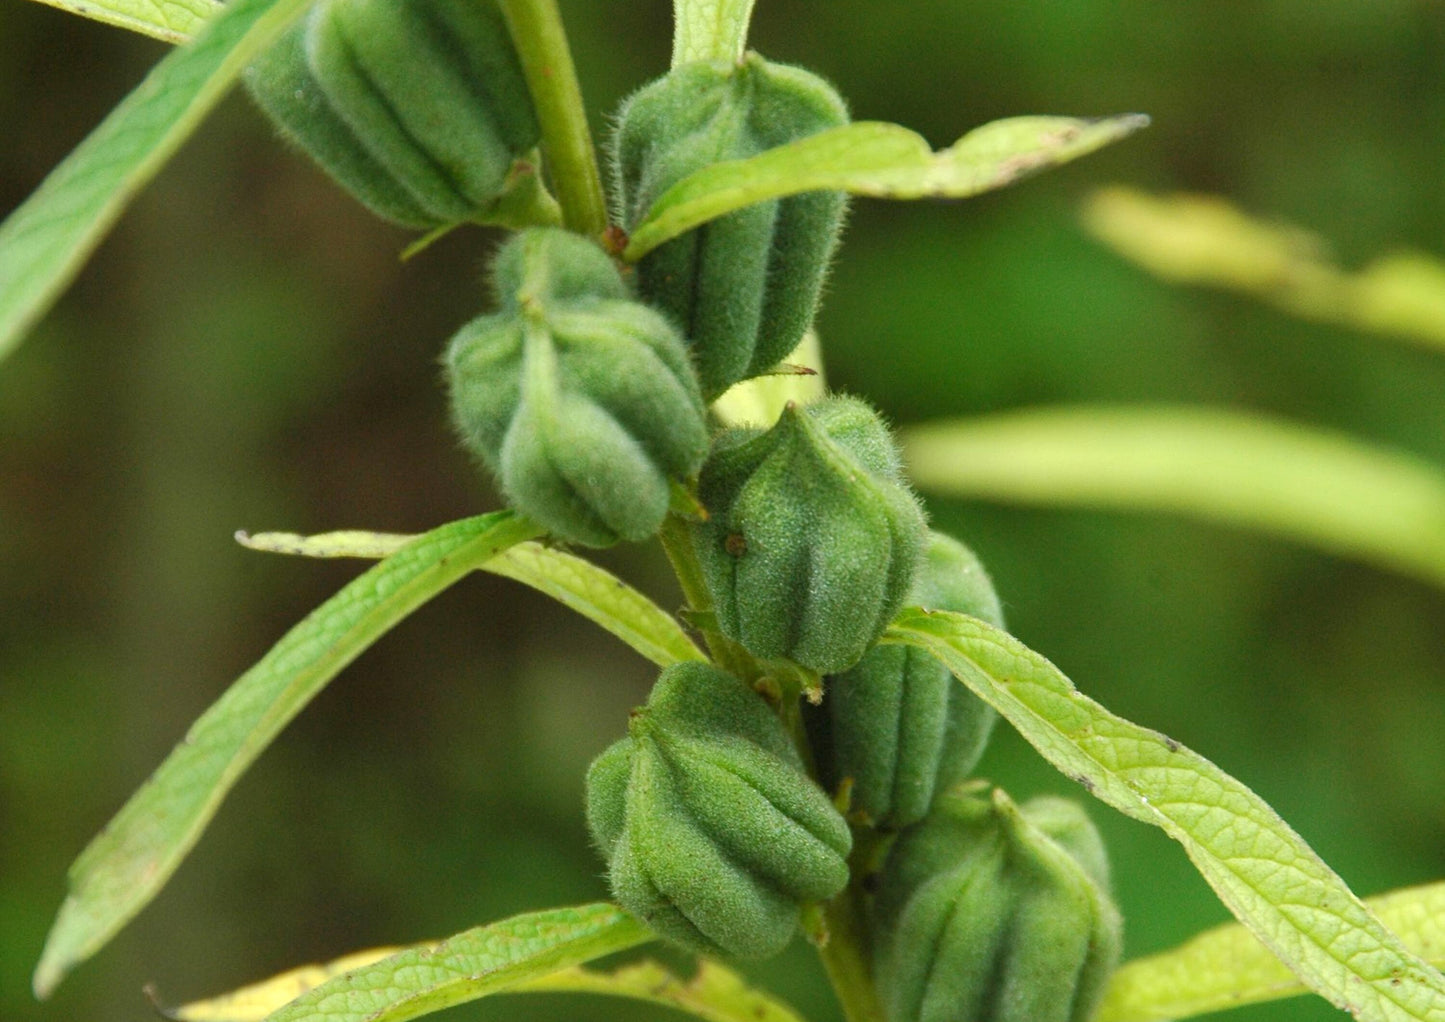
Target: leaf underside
[486, 960]
[1226, 967]
[171, 21]
[714, 993]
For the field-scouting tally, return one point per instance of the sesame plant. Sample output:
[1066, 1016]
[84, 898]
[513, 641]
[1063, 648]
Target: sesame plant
[647, 371]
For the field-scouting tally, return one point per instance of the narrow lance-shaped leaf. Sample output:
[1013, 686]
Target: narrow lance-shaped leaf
[1226, 967]
[254, 1002]
[44, 242]
[710, 29]
[1324, 489]
[596, 594]
[885, 161]
[1202, 239]
[132, 858]
[473, 964]
[714, 993]
[171, 21]
[1261, 869]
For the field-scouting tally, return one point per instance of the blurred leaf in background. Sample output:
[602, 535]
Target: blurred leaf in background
[292, 383]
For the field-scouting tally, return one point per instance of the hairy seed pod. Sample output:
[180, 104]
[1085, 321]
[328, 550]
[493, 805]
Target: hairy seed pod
[579, 398]
[419, 108]
[713, 834]
[898, 726]
[812, 537]
[743, 287]
[988, 912]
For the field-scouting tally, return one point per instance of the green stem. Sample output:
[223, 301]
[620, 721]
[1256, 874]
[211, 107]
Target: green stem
[846, 959]
[710, 30]
[677, 543]
[536, 27]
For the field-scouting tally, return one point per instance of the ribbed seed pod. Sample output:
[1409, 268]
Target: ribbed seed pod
[743, 287]
[983, 915]
[579, 398]
[899, 726]
[419, 108]
[713, 834]
[812, 537]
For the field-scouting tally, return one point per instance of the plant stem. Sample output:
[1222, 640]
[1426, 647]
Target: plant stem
[846, 959]
[677, 543]
[536, 27]
[710, 30]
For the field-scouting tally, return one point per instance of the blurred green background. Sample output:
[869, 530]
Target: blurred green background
[246, 352]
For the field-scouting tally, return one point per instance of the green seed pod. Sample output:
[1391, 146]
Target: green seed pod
[580, 399]
[743, 287]
[812, 536]
[713, 833]
[419, 108]
[898, 725]
[984, 915]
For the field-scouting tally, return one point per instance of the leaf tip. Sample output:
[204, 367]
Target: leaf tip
[48, 975]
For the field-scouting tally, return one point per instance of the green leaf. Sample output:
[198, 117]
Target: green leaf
[132, 858]
[1324, 489]
[254, 1002]
[1202, 239]
[715, 993]
[1226, 967]
[885, 161]
[44, 242]
[172, 21]
[597, 595]
[602, 598]
[1261, 869]
[710, 29]
[473, 964]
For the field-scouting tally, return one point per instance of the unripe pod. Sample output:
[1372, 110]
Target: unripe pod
[983, 915]
[899, 726]
[419, 108]
[713, 834]
[743, 287]
[812, 536]
[580, 399]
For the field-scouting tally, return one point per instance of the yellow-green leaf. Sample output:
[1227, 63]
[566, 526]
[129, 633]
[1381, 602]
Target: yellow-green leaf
[486, 960]
[172, 21]
[1202, 239]
[885, 161]
[129, 861]
[575, 582]
[1262, 870]
[1226, 967]
[709, 29]
[714, 993]
[1324, 489]
[254, 1002]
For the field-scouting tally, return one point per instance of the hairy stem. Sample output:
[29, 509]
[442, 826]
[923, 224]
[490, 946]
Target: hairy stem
[677, 542]
[536, 27]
